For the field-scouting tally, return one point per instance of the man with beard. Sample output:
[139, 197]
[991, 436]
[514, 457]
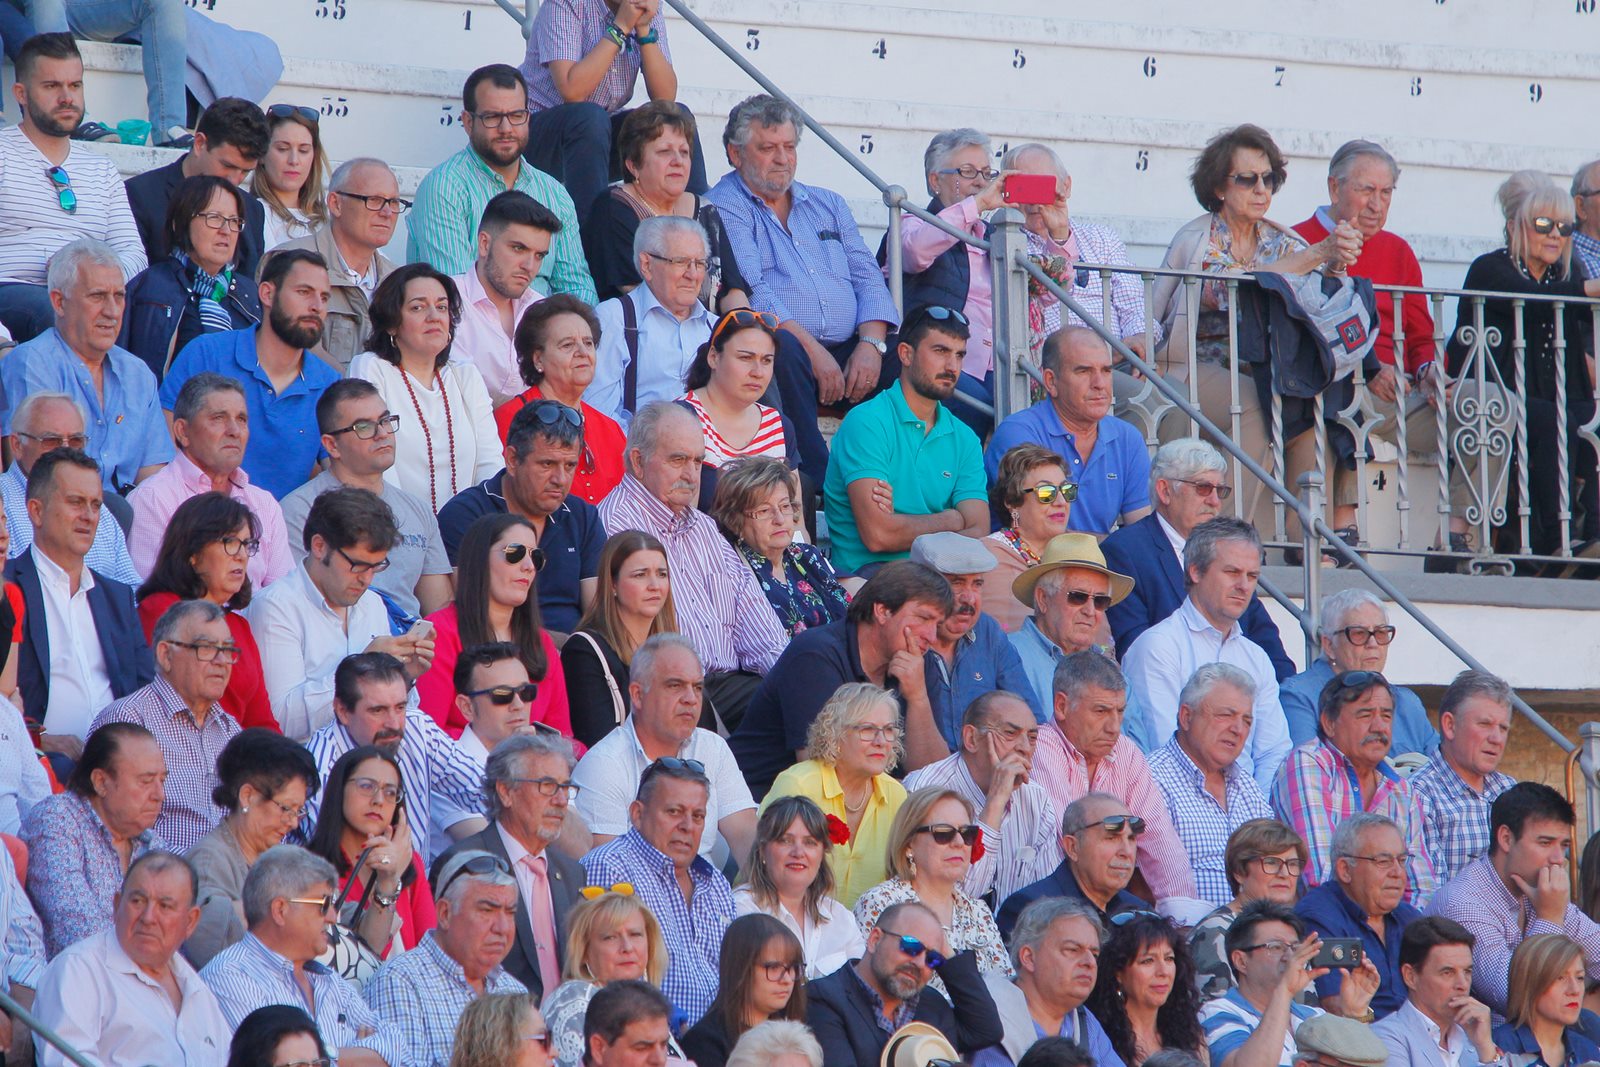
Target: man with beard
[82, 195]
[855, 1009]
[452, 197]
[1105, 455]
[514, 237]
[371, 706]
[282, 379]
[902, 464]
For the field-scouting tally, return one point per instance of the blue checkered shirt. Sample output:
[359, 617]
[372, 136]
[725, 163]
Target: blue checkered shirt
[1586, 250]
[108, 555]
[422, 994]
[693, 930]
[1204, 825]
[1455, 817]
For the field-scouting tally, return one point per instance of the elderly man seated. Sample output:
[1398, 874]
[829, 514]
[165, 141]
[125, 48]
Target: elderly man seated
[721, 609]
[649, 335]
[1457, 785]
[423, 992]
[288, 904]
[1345, 770]
[127, 995]
[1356, 634]
[1440, 1013]
[1099, 840]
[1364, 900]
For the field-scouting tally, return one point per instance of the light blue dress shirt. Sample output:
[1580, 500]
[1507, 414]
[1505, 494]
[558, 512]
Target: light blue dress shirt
[1299, 696]
[666, 348]
[1039, 657]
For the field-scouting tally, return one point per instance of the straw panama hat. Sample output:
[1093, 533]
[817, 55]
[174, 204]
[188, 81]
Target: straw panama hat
[1078, 550]
[915, 1045]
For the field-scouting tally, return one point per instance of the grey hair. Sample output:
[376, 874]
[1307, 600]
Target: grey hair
[1072, 820]
[760, 110]
[1346, 155]
[643, 667]
[1347, 837]
[173, 618]
[654, 232]
[761, 1045]
[1037, 918]
[1211, 675]
[1184, 459]
[280, 872]
[645, 429]
[22, 418]
[1201, 548]
[1009, 160]
[460, 883]
[1468, 684]
[1525, 196]
[1579, 186]
[342, 173]
[505, 762]
[1336, 606]
[69, 260]
[948, 142]
[160, 860]
[1081, 670]
[200, 388]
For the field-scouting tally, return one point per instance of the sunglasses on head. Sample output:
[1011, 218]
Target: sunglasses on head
[742, 317]
[1544, 225]
[1046, 491]
[594, 892]
[516, 552]
[936, 312]
[671, 763]
[1360, 680]
[289, 111]
[912, 947]
[502, 695]
[550, 412]
[943, 833]
[477, 865]
[1125, 917]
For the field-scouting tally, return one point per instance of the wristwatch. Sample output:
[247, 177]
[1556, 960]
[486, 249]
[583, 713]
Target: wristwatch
[881, 345]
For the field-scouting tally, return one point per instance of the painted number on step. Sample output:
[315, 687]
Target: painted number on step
[1416, 86]
[331, 9]
[1142, 160]
[1018, 60]
[1584, 7]
[1277, 74]
[1535, 93]
[1149, 67]
[202, 5]
[466, 23]
[335, 107]
[752, 40]
[865, 147]
[447, 114]
[881, 49]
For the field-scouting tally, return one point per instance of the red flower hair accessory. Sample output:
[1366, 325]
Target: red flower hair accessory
[838, 830]
[977, 848]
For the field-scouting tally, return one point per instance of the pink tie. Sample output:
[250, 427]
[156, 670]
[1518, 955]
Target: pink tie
[542, 917]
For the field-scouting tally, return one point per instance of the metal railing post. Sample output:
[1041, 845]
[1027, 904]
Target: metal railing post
[895, 196]
[31, 1021]
[1589, 764]
[1311, 563]
[1008, 246]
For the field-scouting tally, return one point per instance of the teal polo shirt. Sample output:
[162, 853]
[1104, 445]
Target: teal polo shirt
[931, 469]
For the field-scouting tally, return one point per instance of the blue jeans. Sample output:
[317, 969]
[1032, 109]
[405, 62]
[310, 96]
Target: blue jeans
[576, 145]
[164, 41]
[14, 28]
[25, 310]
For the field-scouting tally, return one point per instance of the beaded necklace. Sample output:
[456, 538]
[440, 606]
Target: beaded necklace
[1014, 539]
[427, 435]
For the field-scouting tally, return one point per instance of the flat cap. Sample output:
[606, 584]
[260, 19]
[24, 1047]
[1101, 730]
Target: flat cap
[1341, 1039]
[951, 553]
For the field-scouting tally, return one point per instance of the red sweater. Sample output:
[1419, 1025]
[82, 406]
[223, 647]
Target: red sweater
[1386, 259]
[246, 696]
[436, 689]
[603, 440]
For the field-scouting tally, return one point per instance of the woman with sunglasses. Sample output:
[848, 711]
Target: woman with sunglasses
[1033, 491]
[761, 978]
[277, 1036]
[632, 603]
[290, 178]
[363, 819]
[725, 383]
[501, 1030]
[555, 343]
[496, 600]
[931, 847]
[1264, 860]
[206, 552]
[1536, 261]
[415, 311]
[1144, 994]
[193, 290]
[755, 507]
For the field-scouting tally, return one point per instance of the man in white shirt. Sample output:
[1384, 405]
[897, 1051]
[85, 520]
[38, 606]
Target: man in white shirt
[493, 693]
[513, 240]
[649, 337]
[324, 610]
[666, 689]
[1222, 563]
[1441, 1024]
[127, 995]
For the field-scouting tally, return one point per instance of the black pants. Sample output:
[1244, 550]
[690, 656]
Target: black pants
[728, 693]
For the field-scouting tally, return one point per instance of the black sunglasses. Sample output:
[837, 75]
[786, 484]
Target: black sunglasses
[477, 865]
[1250, 181]
[1048, 491]
[671, 763]
[1360, 680]
[311, 115]
[944, 833]
[517, 551]
[1078, 598]
[914, 948]
[1125, 917]
[550, 412]
[936, 312]
[502, 695]
[1114, 824]
[1544, 225]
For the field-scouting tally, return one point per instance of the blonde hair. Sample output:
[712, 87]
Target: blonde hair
[312, 200]
[912, 814]
[850, 704]
[1525, 196]
[489, 1031]
[1535, 966]
[602, 915]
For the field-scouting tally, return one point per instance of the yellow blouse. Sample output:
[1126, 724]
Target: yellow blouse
[863, 862]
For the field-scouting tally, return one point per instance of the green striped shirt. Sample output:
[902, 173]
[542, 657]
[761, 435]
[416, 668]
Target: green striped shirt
[443, 228]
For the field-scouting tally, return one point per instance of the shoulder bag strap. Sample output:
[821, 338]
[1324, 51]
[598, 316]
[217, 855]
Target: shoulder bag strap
[618, 705]
[630, 376]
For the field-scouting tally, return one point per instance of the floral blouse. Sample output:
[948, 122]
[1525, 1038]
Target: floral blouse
[972, 926]
[1211, 329]
[808, 595]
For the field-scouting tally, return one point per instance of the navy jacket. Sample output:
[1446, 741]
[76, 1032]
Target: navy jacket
[164, 314]
[1060, 882]
[947, 279]
[1142, 551]
[840, 1012]
[149, 195]
[129, 663]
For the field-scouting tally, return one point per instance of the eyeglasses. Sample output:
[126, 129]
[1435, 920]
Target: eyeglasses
[1363, 635]
[1114, 824]
[53, 441]
[868, 733]
[936, 312]
[1277, 948]
[1012, 734]
[1048, 491]
[289, 111]
[234, 545]
[295, 813]
[367, 429]
[542, 1040]
[376, 202]
[766, 512]
[1543, 225]
[371, 787]
[1275, 864]
[1123, 918]
[1078, 598]
[742, 317]
[479, 865]
[306, 1063]
[1206, 488]
[914, 948]
[516, 552]
[1249, 180]
[683, 263]
[64, 194]
[216, 220]
[944, 834]
[778, 970]
[359, 567]
[206, 652]
[502, 695]
[549, 787]
[594, 892]
[1385, 861]
[322, 904]
[492, 120]
[969, 172]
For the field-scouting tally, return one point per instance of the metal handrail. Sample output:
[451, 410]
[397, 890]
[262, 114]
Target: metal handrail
[31, 1021]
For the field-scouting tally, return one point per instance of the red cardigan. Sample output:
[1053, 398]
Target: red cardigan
[1386, 259]
[246, 696]
[436, 690]
[414, 906]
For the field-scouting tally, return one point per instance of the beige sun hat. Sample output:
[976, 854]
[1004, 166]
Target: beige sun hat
[1079, 550]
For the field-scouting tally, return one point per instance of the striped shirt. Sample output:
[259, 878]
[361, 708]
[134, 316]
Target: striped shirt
[33, 225]
[422, 994]
[1100, 245]
[24, 933]
[768, 440]
[721, 609]
[1455, 817]
[1024, 848]
[1204, 825]
[1063, 773]
[568, 30]
[108, 555]
[1230, 1019]
[443, 226]
[1317, 789]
